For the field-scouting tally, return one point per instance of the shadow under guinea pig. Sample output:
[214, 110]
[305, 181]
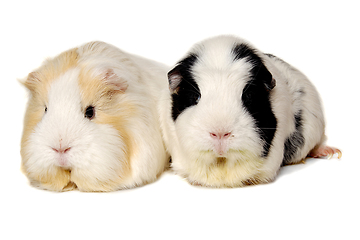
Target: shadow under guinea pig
[291, 168]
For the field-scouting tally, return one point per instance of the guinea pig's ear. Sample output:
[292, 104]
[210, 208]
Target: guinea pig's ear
[270, 84]
[174, 77]
[268, 79]
[31, 81]
[114, 81]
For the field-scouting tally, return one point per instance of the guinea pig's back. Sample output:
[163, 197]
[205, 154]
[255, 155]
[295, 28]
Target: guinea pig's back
[152, 80]
[155, 74]
[308, 125]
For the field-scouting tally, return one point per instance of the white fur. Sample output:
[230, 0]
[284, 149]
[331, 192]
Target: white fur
[221, 82]
[96, 153]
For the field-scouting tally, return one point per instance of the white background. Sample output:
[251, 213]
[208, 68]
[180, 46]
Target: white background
[317, 200]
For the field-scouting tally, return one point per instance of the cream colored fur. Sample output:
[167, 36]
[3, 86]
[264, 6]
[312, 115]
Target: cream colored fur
[121, 147]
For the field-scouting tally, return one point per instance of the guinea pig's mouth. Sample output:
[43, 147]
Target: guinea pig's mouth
[231, 157]
[66, 168]
[221, 161]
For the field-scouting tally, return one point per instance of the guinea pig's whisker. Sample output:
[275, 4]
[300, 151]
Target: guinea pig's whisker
[197, 91]
[248, 85]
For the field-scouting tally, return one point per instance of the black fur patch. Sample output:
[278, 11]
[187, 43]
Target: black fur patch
[295, 141]
[187, 92]
[256, 95]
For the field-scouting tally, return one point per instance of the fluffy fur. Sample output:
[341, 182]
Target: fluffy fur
[92, 122]
[234, 115]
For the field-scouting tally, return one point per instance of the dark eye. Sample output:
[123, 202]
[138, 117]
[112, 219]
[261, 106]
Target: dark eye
[45, 109]
[247, 97]
[197, 99]
[194, 98]
[90, 112]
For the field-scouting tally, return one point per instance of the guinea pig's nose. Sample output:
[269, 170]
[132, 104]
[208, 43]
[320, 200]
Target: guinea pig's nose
[61, 150]
[220, 135]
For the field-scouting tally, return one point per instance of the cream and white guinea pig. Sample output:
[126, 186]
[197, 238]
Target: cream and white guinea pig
[235, 115]
[92, 122]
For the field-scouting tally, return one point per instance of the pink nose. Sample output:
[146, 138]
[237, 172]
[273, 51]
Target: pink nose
[62, 150]
[220, 135]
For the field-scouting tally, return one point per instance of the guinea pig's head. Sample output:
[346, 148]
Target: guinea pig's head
[221, 107]
[75, 126]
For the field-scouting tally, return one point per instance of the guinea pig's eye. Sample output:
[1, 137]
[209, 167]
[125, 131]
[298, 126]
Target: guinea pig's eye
[194, 98]
[247, 97]
[90, 112]
[45, 109]
[197, 99]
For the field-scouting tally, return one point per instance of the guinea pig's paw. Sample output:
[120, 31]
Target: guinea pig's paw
[253, 181]
[69, 187]
[261, 178]
[325, 151]
[58, 181]
[197, 184]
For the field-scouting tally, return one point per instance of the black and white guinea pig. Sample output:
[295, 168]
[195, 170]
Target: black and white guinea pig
[92, 122]
[235, 115]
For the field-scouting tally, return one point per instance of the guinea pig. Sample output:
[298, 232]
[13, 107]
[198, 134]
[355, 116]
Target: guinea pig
[91, 121]
[234, 115]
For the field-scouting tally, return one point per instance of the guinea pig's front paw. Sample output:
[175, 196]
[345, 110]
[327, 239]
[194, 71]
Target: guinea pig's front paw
[58, 180]
[325, 151]
[197, 184]
[70, 186]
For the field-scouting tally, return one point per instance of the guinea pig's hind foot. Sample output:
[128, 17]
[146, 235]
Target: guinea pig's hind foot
[325, 151]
